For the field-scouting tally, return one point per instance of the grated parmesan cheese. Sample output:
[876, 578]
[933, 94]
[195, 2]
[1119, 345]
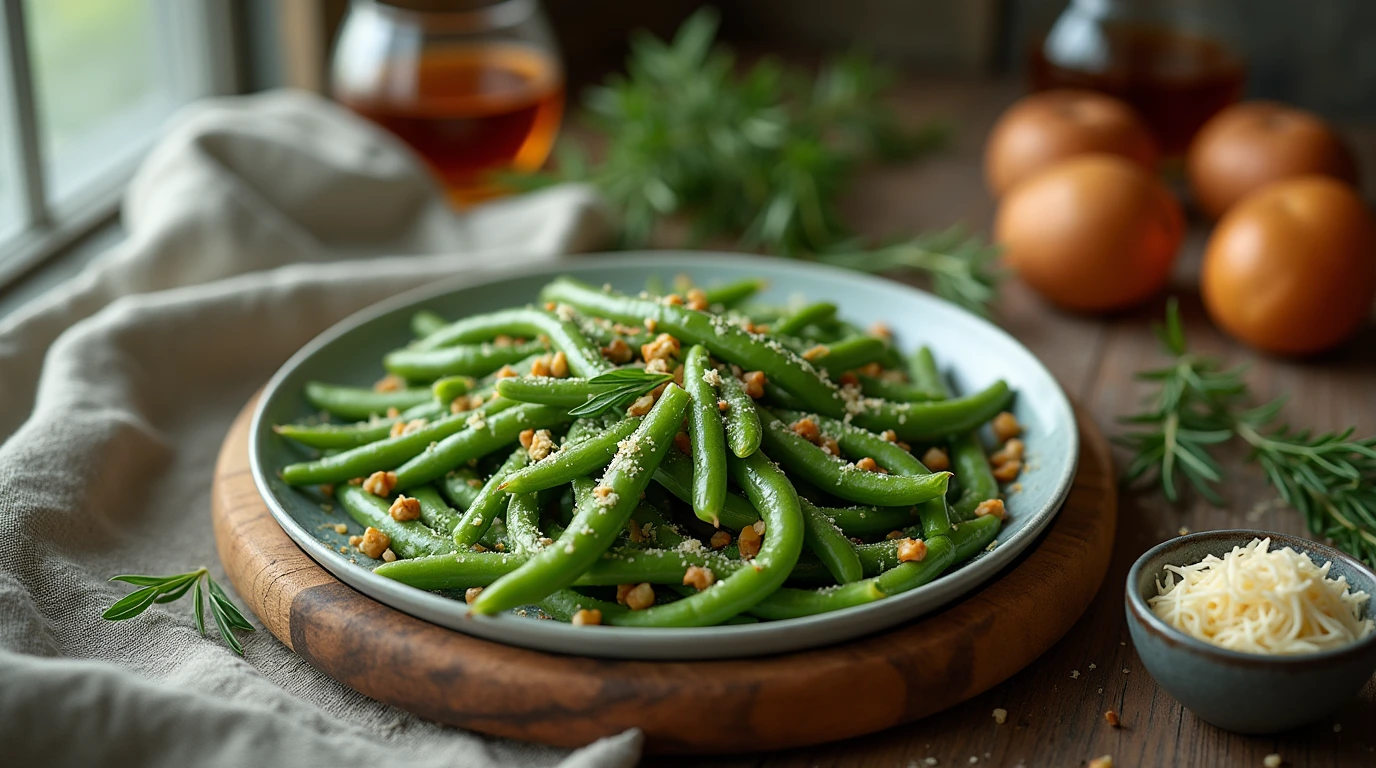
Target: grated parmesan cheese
[1258, 600]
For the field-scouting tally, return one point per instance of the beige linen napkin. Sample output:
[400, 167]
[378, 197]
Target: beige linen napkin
[257, 223]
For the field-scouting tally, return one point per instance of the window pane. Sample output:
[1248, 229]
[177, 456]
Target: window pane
[103, 81]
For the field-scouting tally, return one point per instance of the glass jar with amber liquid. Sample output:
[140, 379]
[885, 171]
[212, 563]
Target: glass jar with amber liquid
[1172, 60]
[474, 87]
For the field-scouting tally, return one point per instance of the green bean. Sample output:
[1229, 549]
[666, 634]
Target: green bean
[974, 536]
[425, 322]
[330, 436]
[769, 490]
[461, 486]
[464, 360]
[574, 459]
[410, 538]
[584, 357]
[789, 603]
[924, 374]
[859, 443]
[450, 387]
[897, 391]
[778, 396]
[812, 314]
[917, 422]
[384, 454]
[848, 354]
[595, 525]
[723, 338]
[436, 515]
[830, 545]
[360, 403]
[977, 483]
[479, 440]
[488, 501]
[675, 474]
[743, 431]
[547, 390]
[562, 604]
[842, 478]
[523, 523]
[706, 435]
[730, 294]
[870, 521]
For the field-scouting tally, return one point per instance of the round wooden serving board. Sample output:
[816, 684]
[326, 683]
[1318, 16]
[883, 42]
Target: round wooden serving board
[760, 704]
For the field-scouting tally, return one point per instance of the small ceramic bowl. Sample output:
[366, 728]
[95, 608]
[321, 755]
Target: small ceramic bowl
[1245, 692]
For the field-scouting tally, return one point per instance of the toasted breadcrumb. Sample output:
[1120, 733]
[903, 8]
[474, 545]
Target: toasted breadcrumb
[388, 556]
[341, 528]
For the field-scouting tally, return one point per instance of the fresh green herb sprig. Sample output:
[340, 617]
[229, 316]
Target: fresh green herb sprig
[758, 155]
[166, 589]
[1330, 478]
[619, 388]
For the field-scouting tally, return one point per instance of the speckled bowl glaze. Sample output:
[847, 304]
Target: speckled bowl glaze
[1244, 692]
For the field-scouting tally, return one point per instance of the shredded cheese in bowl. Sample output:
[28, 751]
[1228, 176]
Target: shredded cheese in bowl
[1258, 600]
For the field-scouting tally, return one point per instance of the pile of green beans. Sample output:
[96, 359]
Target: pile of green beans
[777, 475]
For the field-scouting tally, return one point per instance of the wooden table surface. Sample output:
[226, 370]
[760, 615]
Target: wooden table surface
[1056, 706]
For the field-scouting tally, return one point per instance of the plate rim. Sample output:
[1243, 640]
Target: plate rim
[645, 642]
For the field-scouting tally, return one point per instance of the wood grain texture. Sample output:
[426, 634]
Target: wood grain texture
[690, 707]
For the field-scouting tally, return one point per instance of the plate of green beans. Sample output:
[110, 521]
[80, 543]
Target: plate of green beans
[665, 455]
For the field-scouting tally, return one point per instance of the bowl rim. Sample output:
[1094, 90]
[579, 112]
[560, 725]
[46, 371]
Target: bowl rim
[1140, 611]
[539, 636]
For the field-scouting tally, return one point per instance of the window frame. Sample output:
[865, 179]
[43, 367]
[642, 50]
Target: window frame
[203, 38]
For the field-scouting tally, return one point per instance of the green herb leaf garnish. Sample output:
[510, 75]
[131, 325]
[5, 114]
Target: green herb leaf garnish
[165, 589]
[620, 388]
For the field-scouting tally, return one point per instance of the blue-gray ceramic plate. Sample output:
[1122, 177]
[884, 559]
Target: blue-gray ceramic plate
[972, 351]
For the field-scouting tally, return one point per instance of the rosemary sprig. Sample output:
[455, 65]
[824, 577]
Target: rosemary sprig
[757, 154]
[165, 589]
[619, 388]
[1330, 478]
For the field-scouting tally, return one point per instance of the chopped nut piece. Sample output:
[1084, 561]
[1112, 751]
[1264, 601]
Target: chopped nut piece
[540, 366]
[392, 412]
[682, 443]
[699, 578]
[380, 483]
[891, 535]
[1011, 451]
[870, 369]
[327, 490]
[754, 382]
[549, 306]
[1008, 471]
[697, 299]
[849, 379]
[587, 617]
[637, 533]
[471, 594]
[812, 353]
[1006, 427]
[881, 330]
[664, 347]
[749, 540]
[355, 481]
[723, 406]
[720, 540]
[641, 406]
[355, 540]
[1111, 718]
[618, 351]
[807, 429]
[404, 508]
[889, 436]
[341, 528]
[912, 551]
[867, 464]
[389, 383]
[506, 372]
[657, 366]
[374, 542]
[541, 445]
[1000, 716]
[991, 507]
[478, 548]
[559, 365]
[936, 460]
[388, 556]
[829, 445]
[622, 590]
[526, 437]
[674, 300]
[397, 429]
[640, 597]
[1101, 762]
[1272, 761]
[650, 324]
[502, 340]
